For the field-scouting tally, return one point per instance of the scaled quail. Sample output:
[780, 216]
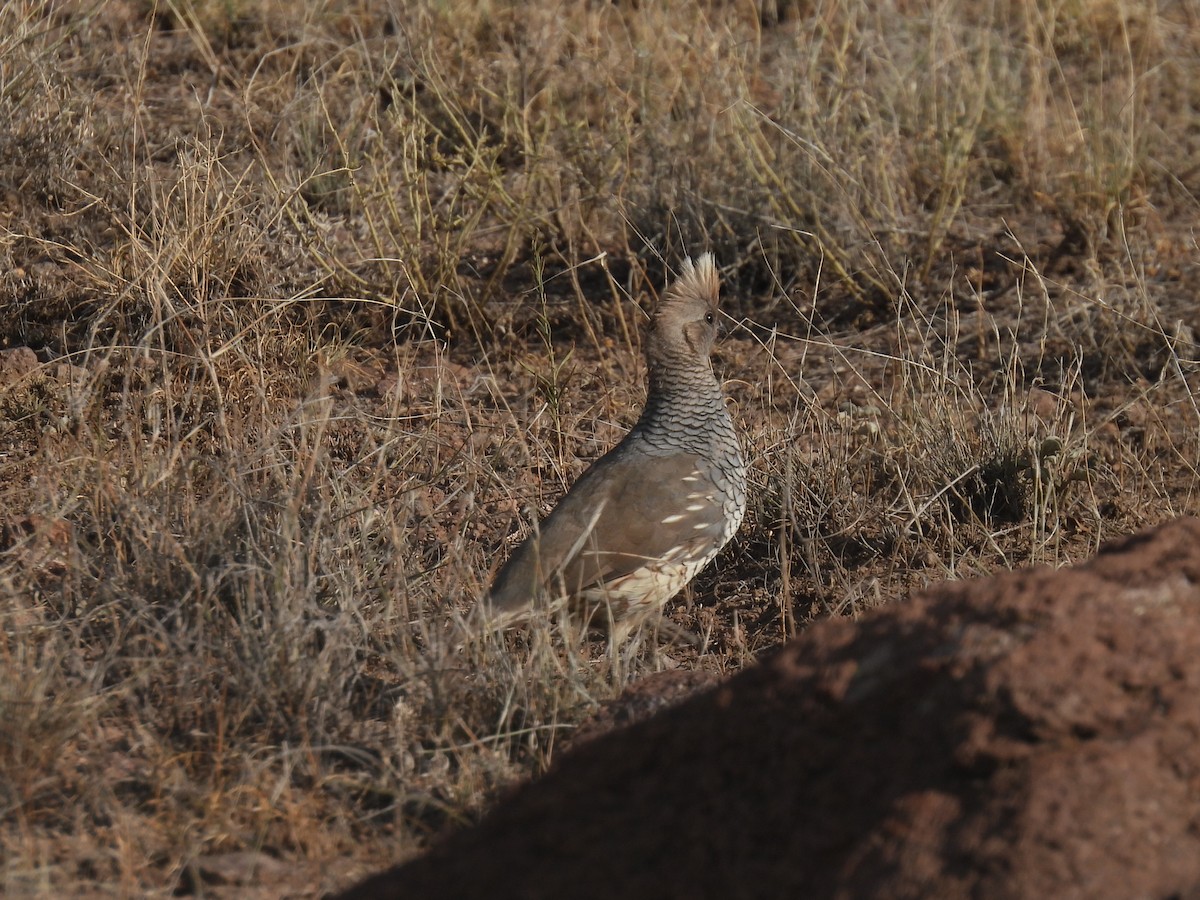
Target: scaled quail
[650, 513]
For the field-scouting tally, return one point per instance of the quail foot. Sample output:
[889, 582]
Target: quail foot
[647, 516]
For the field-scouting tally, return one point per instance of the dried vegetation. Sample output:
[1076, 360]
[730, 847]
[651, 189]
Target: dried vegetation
[307, 305]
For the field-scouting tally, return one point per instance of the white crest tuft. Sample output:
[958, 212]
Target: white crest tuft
[697, 281]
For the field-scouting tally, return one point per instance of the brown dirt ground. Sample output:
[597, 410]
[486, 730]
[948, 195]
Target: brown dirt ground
[1032, 734]
[1029, 312]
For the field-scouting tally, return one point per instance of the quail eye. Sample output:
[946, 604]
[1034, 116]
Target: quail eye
[709, 318]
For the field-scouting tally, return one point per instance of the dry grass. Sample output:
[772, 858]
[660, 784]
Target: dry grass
[326, 297]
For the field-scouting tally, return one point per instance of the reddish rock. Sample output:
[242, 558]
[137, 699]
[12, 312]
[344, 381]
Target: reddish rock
[1035, 734]
[15, 364]
[643, 699]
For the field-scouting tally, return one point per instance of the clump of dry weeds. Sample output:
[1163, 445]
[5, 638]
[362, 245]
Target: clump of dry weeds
[324, 301]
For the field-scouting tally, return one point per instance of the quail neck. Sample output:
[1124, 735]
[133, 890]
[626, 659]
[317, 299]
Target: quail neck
[685, 408]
